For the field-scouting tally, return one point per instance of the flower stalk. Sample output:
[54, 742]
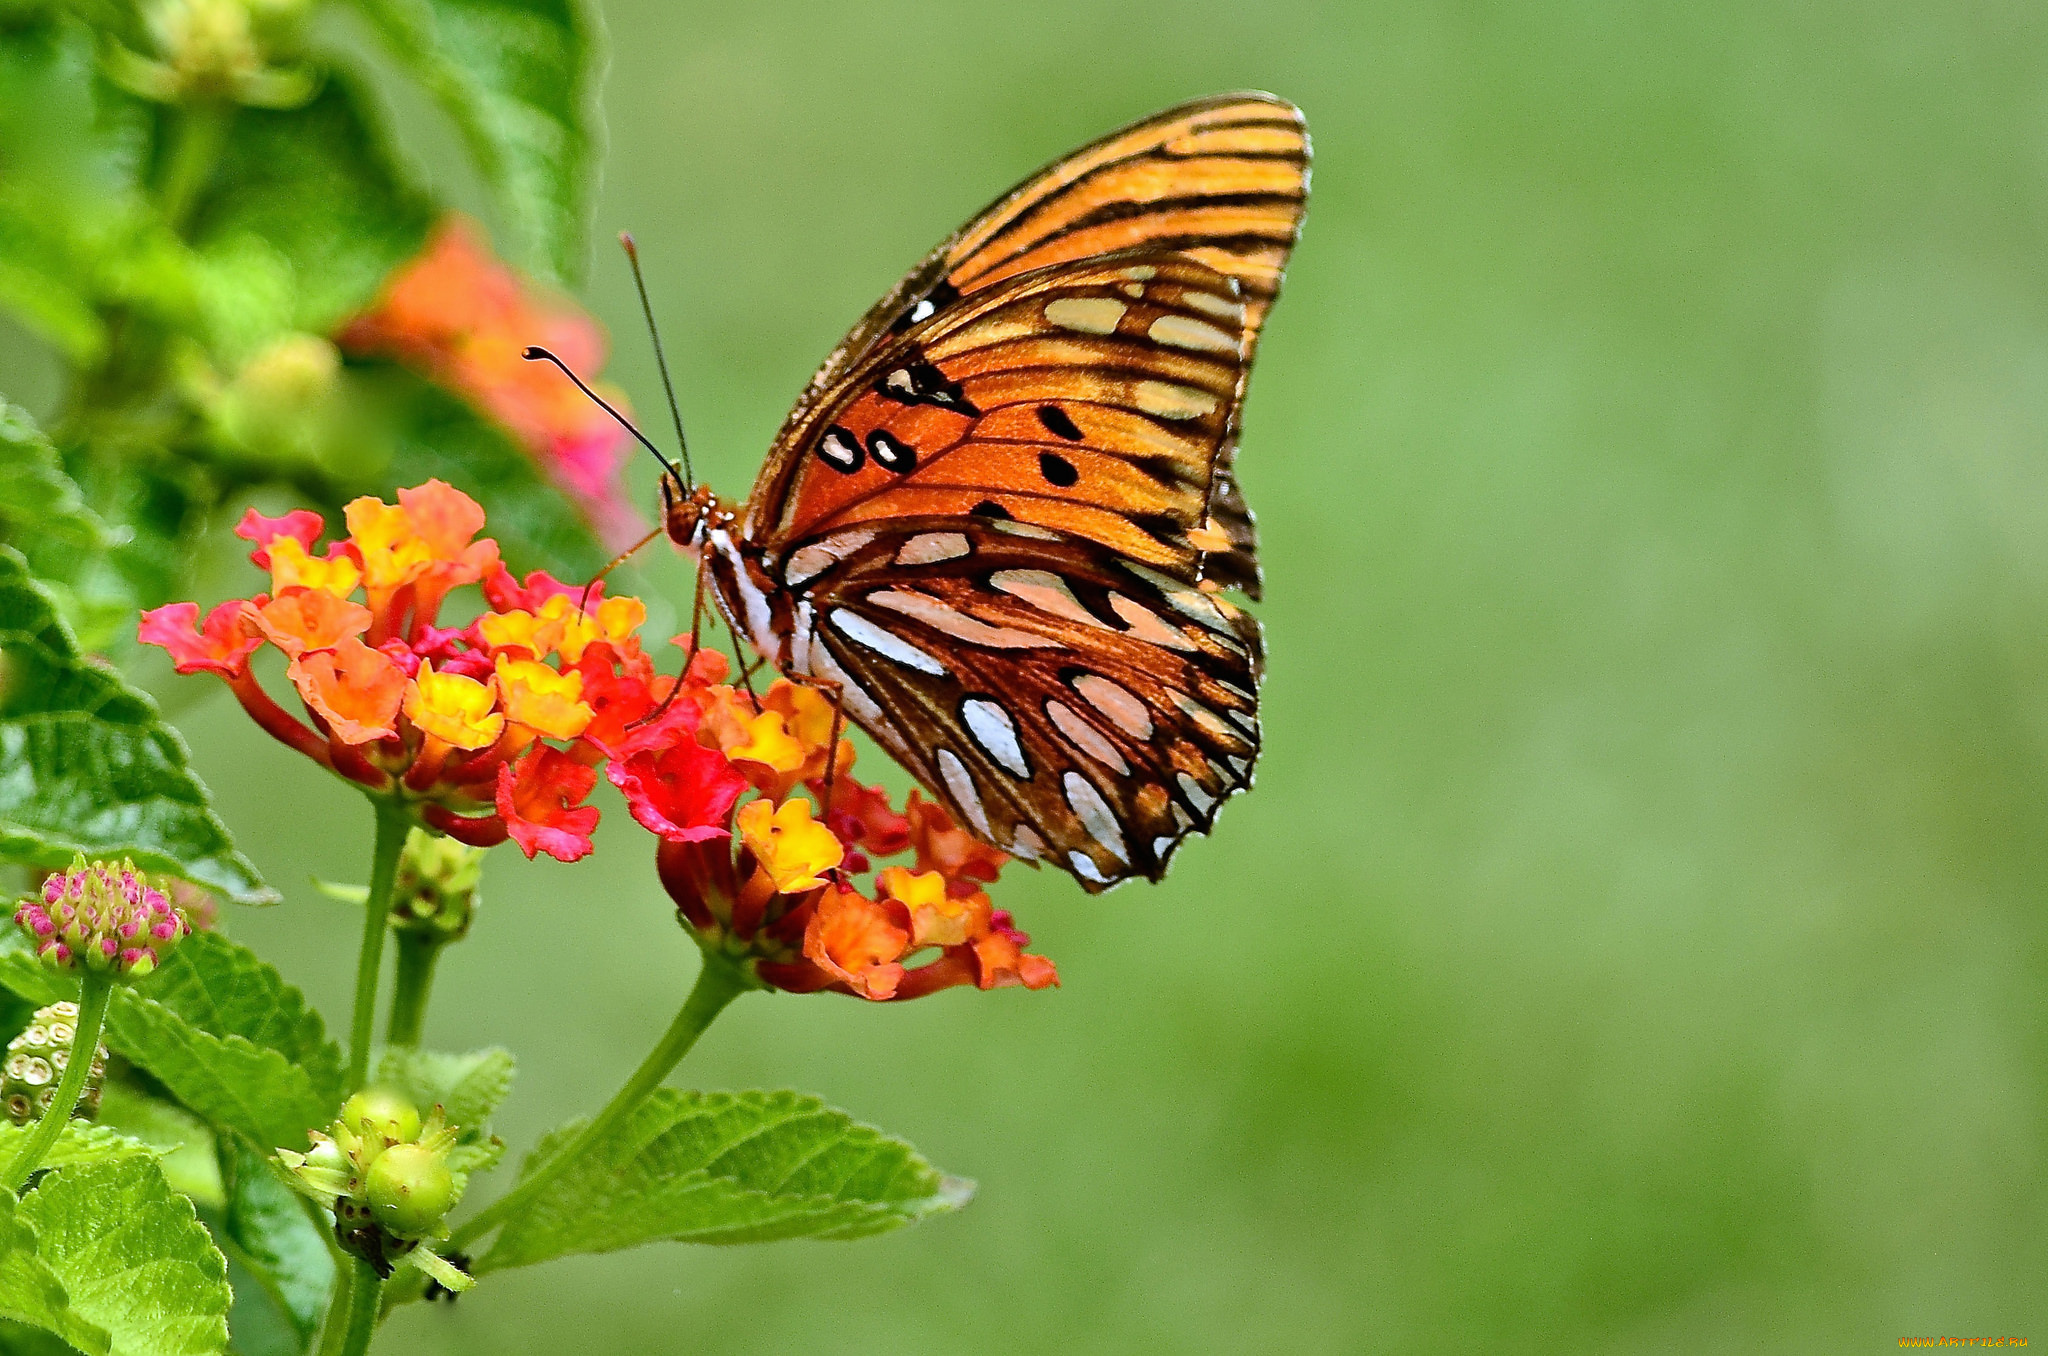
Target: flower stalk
[393, 822]
[718, 983]
[95, 988]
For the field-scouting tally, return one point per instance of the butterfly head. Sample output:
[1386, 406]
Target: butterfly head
[689, 516]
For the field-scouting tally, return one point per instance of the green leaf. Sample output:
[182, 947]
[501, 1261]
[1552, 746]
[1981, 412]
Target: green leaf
[133, 1257]
[438, 434]
[86, 764]
[269, 1233]
[317, 189]
[268, 1094]
[77, 1142]
[31, 1292]
[743, 1167]
[225, 989]
[38, 502]
[186, 1149]
[519, 77]
[468, 1088]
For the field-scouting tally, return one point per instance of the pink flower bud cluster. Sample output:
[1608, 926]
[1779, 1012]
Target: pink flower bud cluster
[103, 916]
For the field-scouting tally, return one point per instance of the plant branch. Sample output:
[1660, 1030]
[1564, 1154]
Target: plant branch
[414, 984]
[392, 824]
[94, 990]
[718, 983]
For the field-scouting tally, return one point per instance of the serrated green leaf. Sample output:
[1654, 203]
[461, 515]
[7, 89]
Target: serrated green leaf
[519, 79]
[437, 434]
[77, 1142]
[259, 1092]
[132, 1256]
[267, 1227]
[31, 1292]
[86, 764]
[319, 188]
[39, 504]
[184, 1145]
[468, 1087]
[225, 989]
[743, 1167]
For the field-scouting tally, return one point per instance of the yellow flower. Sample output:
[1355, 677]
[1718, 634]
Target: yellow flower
[616, 620]
[790, 847]
[936, 918]
[767, 741]
[518, 630]
[542, 700]
[291, 567]
[393, 552]
[454, 709]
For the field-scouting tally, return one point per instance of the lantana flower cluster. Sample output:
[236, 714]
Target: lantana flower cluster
[461, 318]
[499, 728]
[101, 916]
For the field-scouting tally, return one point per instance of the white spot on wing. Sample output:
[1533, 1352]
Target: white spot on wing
[1196, 794]
[993, 729]
[957, 624]
[819, 556]
[1200, 336]
[851, 694]
[961, 783]
[929, 548]
[885, 643]
[1023, 529]
[1027, 844]
[1223, 308]
[1116, 701]
[1088, 315]
[1087, 738]
[1203, 716]
[1162, 846]
[1145, 624]
[1094, 813]
[1085, 867]
[1047, 592]
[1169, 400]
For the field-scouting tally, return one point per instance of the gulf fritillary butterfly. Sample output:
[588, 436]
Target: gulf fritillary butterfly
[999, 520]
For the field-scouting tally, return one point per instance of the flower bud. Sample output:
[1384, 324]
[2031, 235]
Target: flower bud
[103, 917]
[409, 1189]
[36, 1060]
[376, 1113]
[435, 896]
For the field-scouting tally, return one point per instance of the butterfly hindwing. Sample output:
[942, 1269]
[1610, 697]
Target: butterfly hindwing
[1062, 702]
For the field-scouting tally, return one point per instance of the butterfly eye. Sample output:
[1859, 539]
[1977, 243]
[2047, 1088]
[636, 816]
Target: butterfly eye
[889, 453]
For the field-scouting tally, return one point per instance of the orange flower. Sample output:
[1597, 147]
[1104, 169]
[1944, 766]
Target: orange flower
[291, 568]
[356, 690]
[302, 619]
[793, 850]
[858, 941]
[936, 918]
[457, 710]
[952, 852]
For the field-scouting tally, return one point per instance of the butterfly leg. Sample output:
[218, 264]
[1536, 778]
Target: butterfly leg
[835, 691]
[583, 603]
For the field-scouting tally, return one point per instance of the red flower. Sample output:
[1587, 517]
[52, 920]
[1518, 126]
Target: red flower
[538, 798]
[223, 645]
[685, 793]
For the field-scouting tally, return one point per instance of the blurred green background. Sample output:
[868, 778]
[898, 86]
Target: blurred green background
[1635, 940]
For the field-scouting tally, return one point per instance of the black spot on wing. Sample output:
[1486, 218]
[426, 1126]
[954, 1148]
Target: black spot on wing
[1058, 421]
[890, 452]
[1057, 470]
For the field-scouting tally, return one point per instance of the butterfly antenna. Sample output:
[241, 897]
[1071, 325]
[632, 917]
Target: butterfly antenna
[534, 353]
[675, 411]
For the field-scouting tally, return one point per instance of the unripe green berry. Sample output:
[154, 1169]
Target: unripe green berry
[380, 1113]
[409, 1189]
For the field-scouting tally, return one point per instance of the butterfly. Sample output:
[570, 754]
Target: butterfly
[999, 522]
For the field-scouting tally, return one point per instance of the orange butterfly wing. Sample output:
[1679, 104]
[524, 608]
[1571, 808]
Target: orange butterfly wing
[1223, 180]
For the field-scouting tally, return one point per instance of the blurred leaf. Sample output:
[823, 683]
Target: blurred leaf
[185, 1147]
[43, 516]
[269, 1097]
[77, 1142]
[438, 434]
[316, 191]
[89, 766]
[468, 1087]
[30, 1290]
[519, 79]
[134, 1259]
[75, 228]
[746, 1167]
[269, 1233]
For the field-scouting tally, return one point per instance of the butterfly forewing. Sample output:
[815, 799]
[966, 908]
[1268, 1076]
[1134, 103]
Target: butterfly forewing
[1223, 180]
[1064, 704]
[1089, 398]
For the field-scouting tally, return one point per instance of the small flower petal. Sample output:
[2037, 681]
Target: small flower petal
[302, 619]
[455, 709]
[858, 941]
[685, 792]
[544, 701]
[222, 645]
[301, 525]
[358, 691]
[539, 798]
[791, 848]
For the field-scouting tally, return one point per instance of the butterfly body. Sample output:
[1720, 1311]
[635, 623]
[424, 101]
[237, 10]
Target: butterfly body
[999, 522]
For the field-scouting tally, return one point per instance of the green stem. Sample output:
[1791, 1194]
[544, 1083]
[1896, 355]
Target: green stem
[94, 989]
[414, 985]
[718, 983]
[339, 1308]
[392, 824]
[365, 1291]
[197, 132]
